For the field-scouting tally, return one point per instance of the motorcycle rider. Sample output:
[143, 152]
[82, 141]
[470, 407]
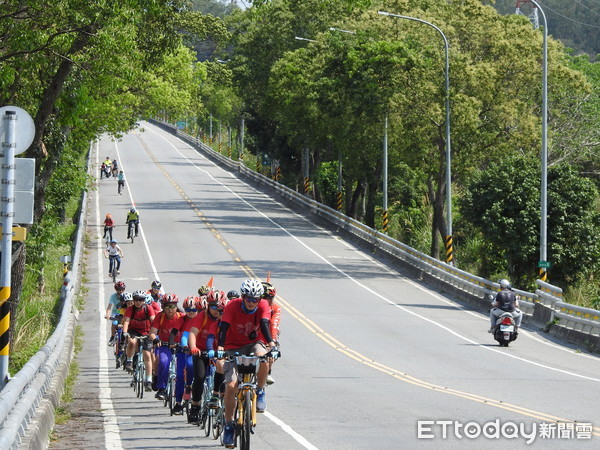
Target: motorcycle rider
[505, 301]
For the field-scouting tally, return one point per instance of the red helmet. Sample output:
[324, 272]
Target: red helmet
[169, 299]
[218, 297]
[193, 301]
[119, 286]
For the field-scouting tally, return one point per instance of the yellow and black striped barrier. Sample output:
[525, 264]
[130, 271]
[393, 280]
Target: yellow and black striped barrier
[257, 165]
[4, 321]
[338, 201]
[277, 173]
[543, 274]
[449, 250]
[385, 221]
[229, 152]
[306, 185]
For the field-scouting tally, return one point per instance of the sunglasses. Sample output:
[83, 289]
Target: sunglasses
[139, 299]
[170, 306]
[252, 299]
[213, 306]
[191, 309]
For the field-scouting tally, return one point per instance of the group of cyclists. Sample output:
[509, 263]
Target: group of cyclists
[110, 168]
[209, 327]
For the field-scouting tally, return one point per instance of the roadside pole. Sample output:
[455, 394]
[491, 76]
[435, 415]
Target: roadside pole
[10, 147]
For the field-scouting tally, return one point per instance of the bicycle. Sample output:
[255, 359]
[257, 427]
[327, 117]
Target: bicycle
[108, 235]
[120, 186]
[207, 415]
[120, 356]
[169, 399]
[131, 230]
[245, 412]
[139, 368]
[112, 264]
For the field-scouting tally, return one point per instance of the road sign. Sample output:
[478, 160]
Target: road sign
[23, 192]
[24, 128]
[544, 264]
[19, 233]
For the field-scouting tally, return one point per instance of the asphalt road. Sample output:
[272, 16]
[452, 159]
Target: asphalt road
[372, 358]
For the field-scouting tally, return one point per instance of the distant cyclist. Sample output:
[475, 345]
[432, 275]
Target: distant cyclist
[115, 168]
[120, 182]
[114, 254]
[115, 303]
[109, 224]
[133, 216]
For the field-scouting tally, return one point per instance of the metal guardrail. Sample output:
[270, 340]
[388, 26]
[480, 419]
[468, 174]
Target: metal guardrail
[25, 391]
[547, 294]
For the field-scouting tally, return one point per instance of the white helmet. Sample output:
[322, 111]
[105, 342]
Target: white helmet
[505, 284]
[252, 288]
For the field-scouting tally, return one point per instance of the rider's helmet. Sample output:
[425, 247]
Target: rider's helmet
[251, 288]
[113, 242]
[203, 290]
[127, 297]
[217, 298]
[505, 284]
[269, 290]
[139, 295]
[156, 284]
[192, 302]
[132, 210]
[119, 286]
[108, 216]
[169, 299]
[232, 294]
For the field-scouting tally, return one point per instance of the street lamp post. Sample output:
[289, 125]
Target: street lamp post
[448, 238]
[544, 187]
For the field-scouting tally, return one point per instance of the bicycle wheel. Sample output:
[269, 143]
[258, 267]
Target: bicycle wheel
[218, 423]
[247, 423]
[171, 397]
[142, 369]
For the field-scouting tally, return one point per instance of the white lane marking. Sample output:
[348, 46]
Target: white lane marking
[111, 425]
[289, 430]
[144, 240]
[482, 346]
[285, 427]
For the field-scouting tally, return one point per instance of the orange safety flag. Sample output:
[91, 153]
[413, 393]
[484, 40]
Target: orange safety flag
[210, 282]
[269, 276]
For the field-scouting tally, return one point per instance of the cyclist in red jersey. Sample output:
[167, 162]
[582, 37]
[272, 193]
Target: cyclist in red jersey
[244, 330]
[203, 326]
[136, 322]
[160, 331]
[185, 361]
[269, 295]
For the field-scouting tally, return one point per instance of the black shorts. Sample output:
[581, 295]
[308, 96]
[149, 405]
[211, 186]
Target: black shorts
[147, 343]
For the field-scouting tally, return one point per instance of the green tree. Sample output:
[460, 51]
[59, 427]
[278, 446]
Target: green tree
[504, 205]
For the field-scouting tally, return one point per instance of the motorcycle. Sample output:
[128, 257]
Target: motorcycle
[505, 331]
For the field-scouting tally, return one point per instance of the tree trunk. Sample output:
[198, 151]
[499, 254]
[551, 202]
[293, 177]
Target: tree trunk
[354, 204]
[45, 164]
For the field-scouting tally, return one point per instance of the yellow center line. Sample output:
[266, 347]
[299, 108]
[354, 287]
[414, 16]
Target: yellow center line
[353, 354]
